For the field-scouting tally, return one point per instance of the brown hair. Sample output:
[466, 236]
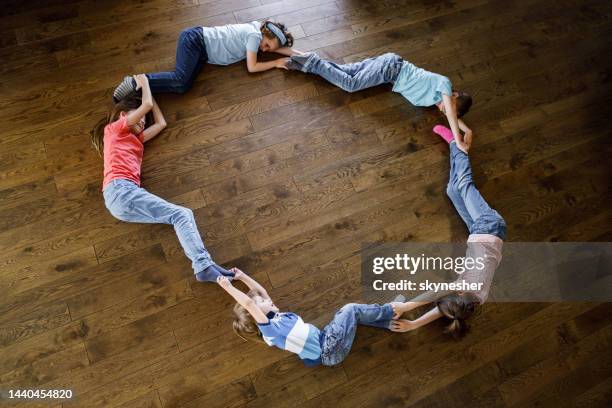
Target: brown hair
[244, 324]
[97, 134]
[266, 32]
[464, 103]
[458, 308]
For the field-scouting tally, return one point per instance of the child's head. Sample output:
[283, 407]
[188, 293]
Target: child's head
[244, 325]
[122, 107]
[457, 307]
[275, 36]
[463, 102]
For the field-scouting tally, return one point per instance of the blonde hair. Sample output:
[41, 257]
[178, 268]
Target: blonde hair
[244, 324]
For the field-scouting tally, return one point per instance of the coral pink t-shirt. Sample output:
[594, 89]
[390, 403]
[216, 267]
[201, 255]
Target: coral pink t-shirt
[123, 152]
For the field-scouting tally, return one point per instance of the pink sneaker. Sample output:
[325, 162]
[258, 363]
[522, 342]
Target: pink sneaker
[444, 132]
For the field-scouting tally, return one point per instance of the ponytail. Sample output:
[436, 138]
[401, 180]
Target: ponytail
[458, 308]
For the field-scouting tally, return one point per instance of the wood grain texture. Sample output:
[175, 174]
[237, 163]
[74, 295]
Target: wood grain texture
[287, 177]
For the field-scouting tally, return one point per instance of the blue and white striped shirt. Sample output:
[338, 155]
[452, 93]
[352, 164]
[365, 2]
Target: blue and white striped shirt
[287, 331]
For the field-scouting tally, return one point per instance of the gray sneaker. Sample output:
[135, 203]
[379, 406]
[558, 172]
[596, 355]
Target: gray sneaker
[399, 298]
[298, 62]
[127, 87]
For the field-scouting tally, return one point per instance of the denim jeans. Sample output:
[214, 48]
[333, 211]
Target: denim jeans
[337, 337]
[359, 75]
[128, 202]
[471, 206]
[190, 57]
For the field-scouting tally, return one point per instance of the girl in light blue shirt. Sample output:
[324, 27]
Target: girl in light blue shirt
[420, 87]
[221, 45]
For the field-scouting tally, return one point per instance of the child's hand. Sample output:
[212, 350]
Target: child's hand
[238, 274]
[282, 63]
[398, 309]
[224, 282]
[140, 79]
[401, 325]
[464, 147]
[467, 138]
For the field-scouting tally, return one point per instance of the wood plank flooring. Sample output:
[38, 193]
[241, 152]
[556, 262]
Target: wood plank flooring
[287, 176]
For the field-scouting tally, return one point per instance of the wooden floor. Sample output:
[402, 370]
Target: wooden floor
[287, 176]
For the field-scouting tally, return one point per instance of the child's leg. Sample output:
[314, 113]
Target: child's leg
[190, 56]
[128, 202]
[339, 334]
[453, 192]
[461, 182]
[451, 189]
[357, 76]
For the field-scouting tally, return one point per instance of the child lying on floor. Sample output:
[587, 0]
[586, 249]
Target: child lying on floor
[420, 87]
[487, 233]
[257, 317]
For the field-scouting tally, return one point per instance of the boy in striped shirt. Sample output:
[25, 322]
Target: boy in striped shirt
[256, 316]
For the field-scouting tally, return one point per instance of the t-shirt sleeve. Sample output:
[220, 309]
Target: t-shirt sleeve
[116, 127]
[445, 87]
[253, 41]
[268, 329]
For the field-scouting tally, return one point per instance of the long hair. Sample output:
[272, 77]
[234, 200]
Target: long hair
[458, 308]
[266, 32]
[97, 133]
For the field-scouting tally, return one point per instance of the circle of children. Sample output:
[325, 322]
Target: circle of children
[120, 140]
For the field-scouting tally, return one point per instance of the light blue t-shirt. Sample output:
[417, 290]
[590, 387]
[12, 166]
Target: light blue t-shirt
[287, 331]
[421, 87]
[229, 43]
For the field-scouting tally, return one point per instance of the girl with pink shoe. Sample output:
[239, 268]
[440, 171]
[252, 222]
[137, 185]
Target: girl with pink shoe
[487, 233]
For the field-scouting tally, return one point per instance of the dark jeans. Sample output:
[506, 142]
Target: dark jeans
[190, 57]
[471, 206]
[337, 337]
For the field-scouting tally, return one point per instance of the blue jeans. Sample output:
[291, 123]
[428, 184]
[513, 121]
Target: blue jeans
[337, 337]
[359, 75]
[128, 202]
[471, 206]
[190, 57]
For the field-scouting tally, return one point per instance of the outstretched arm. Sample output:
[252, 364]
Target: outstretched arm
[159, 123]
[404, 325]
[251, 283]
[254, 66]
[401, 308]
[147, 100]
[453, 122]
[286, 51]
[240, 297]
